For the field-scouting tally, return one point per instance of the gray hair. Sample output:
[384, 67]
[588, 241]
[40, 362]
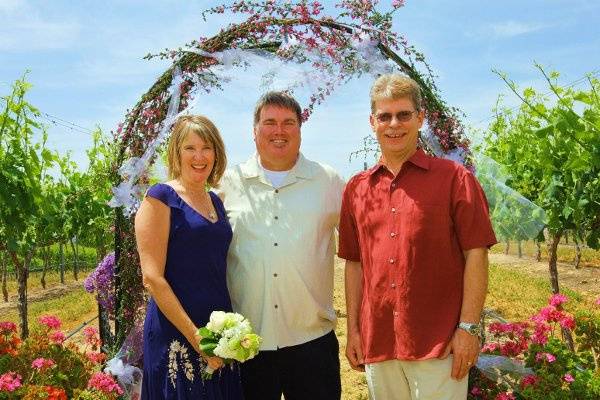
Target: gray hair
[394, 87]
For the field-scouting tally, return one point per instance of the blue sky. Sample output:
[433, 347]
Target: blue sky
[86, 63]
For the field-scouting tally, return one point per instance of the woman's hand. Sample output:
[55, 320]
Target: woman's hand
[214, 362]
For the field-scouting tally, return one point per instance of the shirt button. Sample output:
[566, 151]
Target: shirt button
[276, 217]
[276, 190]
[275, 275]
[393, 209]
[393, 185]
[392, 260]
[275, 244]
[393, 285]
[395, 313]
[393, 234]
[275, 305]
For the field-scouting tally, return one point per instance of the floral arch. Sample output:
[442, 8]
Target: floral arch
[359, 40]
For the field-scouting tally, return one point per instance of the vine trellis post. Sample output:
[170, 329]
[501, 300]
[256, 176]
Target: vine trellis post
[269, 28]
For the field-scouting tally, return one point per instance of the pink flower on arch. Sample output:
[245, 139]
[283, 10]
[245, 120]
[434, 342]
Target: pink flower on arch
[597, 302]
[50, 321]
[9, 382]
[568, 378]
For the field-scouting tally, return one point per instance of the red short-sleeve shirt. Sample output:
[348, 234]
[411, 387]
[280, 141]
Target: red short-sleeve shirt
[409, 233]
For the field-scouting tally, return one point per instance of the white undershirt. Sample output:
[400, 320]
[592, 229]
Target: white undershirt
[276, 177]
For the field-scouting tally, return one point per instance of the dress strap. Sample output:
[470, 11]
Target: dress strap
[165, 193]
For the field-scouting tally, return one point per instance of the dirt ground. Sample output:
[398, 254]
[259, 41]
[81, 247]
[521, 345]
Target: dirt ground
[583, 280]
[34, 296]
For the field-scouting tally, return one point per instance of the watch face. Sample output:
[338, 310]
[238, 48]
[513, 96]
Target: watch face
[472, 329]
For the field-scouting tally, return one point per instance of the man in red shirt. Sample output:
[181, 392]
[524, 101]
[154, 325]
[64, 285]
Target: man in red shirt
[414, 231]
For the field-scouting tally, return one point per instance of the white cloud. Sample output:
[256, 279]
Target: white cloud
[514, 28]
[24, 29]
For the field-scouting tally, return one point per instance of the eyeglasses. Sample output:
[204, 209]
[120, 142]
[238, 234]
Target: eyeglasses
[401, 116]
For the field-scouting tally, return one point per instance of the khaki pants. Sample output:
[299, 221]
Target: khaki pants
[414, 380]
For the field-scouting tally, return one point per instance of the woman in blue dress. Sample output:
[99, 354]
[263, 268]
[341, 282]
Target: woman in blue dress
[182, 237]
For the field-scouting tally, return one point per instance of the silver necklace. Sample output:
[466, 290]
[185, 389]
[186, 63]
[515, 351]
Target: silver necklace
[211, 214]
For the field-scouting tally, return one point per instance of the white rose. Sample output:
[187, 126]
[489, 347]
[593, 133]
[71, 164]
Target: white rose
[217, 321]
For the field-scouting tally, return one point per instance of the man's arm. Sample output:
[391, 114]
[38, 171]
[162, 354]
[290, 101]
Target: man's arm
[354, 294]
[464, 346]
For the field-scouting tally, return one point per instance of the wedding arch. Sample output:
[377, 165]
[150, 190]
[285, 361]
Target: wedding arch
[359, 40]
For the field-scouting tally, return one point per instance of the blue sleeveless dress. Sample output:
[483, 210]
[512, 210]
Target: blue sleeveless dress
[195, 269]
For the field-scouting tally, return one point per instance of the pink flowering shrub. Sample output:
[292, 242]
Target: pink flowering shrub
[42, 364]
[50, 321]
[9, 382]
[105, 383]
[49, 367]
[558, 373]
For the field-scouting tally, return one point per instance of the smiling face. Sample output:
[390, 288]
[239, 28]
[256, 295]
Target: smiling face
[197, 159]
[396, 138]
[277, 137]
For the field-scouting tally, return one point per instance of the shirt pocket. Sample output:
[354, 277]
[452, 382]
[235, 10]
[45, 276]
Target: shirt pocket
[429, 224]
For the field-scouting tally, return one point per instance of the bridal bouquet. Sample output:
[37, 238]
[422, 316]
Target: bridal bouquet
[229, 336]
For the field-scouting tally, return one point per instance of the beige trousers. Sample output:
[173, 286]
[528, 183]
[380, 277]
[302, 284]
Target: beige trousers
[414, 380]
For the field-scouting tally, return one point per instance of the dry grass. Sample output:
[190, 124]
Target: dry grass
[72, 308]
[52, 279]
[566, 252]
[517, 295]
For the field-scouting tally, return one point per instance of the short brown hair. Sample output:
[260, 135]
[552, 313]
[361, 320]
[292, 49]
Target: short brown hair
[394, 87]
[279, 99]
[207, 131]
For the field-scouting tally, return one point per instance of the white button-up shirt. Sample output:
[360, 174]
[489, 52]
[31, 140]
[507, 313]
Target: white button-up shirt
[280, 262]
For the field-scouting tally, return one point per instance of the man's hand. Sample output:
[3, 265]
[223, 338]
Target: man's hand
[354, 352]
[465, 349]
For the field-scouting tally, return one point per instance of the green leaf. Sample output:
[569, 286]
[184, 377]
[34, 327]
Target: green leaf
[544, 132]
[205, 332]
[208, 346]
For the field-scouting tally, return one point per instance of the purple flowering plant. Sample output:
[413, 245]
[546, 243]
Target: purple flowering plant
[101, 281]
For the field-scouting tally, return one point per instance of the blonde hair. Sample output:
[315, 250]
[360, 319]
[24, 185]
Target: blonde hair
[394, 87]
[207, 131]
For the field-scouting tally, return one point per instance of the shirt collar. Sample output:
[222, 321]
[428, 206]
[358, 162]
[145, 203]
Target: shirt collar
[252, 168]
[419, 159]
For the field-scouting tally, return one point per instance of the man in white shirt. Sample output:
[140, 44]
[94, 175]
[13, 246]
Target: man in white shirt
[284, 210]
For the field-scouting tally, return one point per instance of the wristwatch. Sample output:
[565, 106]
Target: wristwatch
[471, 329]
